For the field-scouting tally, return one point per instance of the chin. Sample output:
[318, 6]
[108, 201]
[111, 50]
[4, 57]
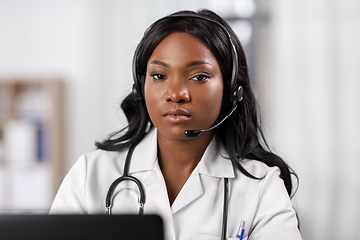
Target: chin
[173, 134]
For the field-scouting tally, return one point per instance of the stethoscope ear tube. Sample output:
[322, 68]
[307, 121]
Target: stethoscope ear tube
[126, 177]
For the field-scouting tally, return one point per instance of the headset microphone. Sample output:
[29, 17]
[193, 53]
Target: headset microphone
[239, 97]
[194, 133]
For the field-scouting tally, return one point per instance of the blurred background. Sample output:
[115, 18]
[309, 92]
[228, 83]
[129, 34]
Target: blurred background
[65, 66]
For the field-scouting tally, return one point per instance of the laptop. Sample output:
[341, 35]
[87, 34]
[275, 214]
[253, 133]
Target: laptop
[71, 227]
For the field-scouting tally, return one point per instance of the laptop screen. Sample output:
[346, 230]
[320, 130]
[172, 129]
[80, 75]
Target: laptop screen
[71, 227]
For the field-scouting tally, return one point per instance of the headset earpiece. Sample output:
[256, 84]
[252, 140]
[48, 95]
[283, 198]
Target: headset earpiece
[237, 95]
[137, 89]
[135, 93]
[239, 91]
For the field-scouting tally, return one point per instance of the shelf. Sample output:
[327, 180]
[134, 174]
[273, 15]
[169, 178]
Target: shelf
[31, 143]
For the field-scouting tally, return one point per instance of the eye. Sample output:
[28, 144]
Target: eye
[157, 76]
[200, 77]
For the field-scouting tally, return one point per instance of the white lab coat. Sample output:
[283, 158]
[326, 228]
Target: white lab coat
[197, 211]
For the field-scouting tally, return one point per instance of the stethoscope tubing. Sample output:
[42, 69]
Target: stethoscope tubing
[126, 177]
[110, 193]
[225, 209]
[142, 199]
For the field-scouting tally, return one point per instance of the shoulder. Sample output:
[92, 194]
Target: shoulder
[102, 160]
[259, 169]
[272, 204]
[97, 161]
[267, 179]
[102, 155]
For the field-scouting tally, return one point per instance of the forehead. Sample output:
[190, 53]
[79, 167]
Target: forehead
[180, 46]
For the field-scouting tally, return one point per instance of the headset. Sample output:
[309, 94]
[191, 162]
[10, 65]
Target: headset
[236, 95]
[236, 91]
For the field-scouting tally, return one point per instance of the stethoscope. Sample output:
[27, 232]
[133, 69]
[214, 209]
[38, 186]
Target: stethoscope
[142, 195]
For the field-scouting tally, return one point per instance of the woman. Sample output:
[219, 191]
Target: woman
[190, 75]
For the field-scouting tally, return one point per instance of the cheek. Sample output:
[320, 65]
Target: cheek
[211, 101]
[215, 94]
[152, 99]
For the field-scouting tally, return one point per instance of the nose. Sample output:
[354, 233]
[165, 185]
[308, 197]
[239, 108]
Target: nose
[177, 92]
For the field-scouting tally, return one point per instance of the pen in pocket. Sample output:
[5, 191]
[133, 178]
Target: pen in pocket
[241, 230]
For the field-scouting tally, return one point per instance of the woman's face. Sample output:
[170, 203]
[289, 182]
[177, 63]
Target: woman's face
[183, 86]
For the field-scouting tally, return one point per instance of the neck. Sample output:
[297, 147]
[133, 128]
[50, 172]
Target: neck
[178, 159]
[183, 153]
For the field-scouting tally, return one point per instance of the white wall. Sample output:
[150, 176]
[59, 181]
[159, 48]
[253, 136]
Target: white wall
[89, 45]
[315, 113]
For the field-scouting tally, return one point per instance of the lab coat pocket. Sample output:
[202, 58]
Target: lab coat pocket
[208, 237]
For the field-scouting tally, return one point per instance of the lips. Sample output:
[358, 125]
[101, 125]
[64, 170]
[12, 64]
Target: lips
[177, 115]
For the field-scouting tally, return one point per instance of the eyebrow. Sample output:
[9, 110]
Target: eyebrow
[190, 64]
[164, 64]
[195, 63]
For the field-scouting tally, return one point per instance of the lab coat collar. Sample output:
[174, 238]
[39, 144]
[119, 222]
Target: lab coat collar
[215, 161]
[145, 154]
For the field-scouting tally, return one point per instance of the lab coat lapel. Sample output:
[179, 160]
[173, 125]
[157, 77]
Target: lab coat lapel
[214, 163]
[145, 160]
[144, 163]
[155, 186]
[158, 200]
[191, 190]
